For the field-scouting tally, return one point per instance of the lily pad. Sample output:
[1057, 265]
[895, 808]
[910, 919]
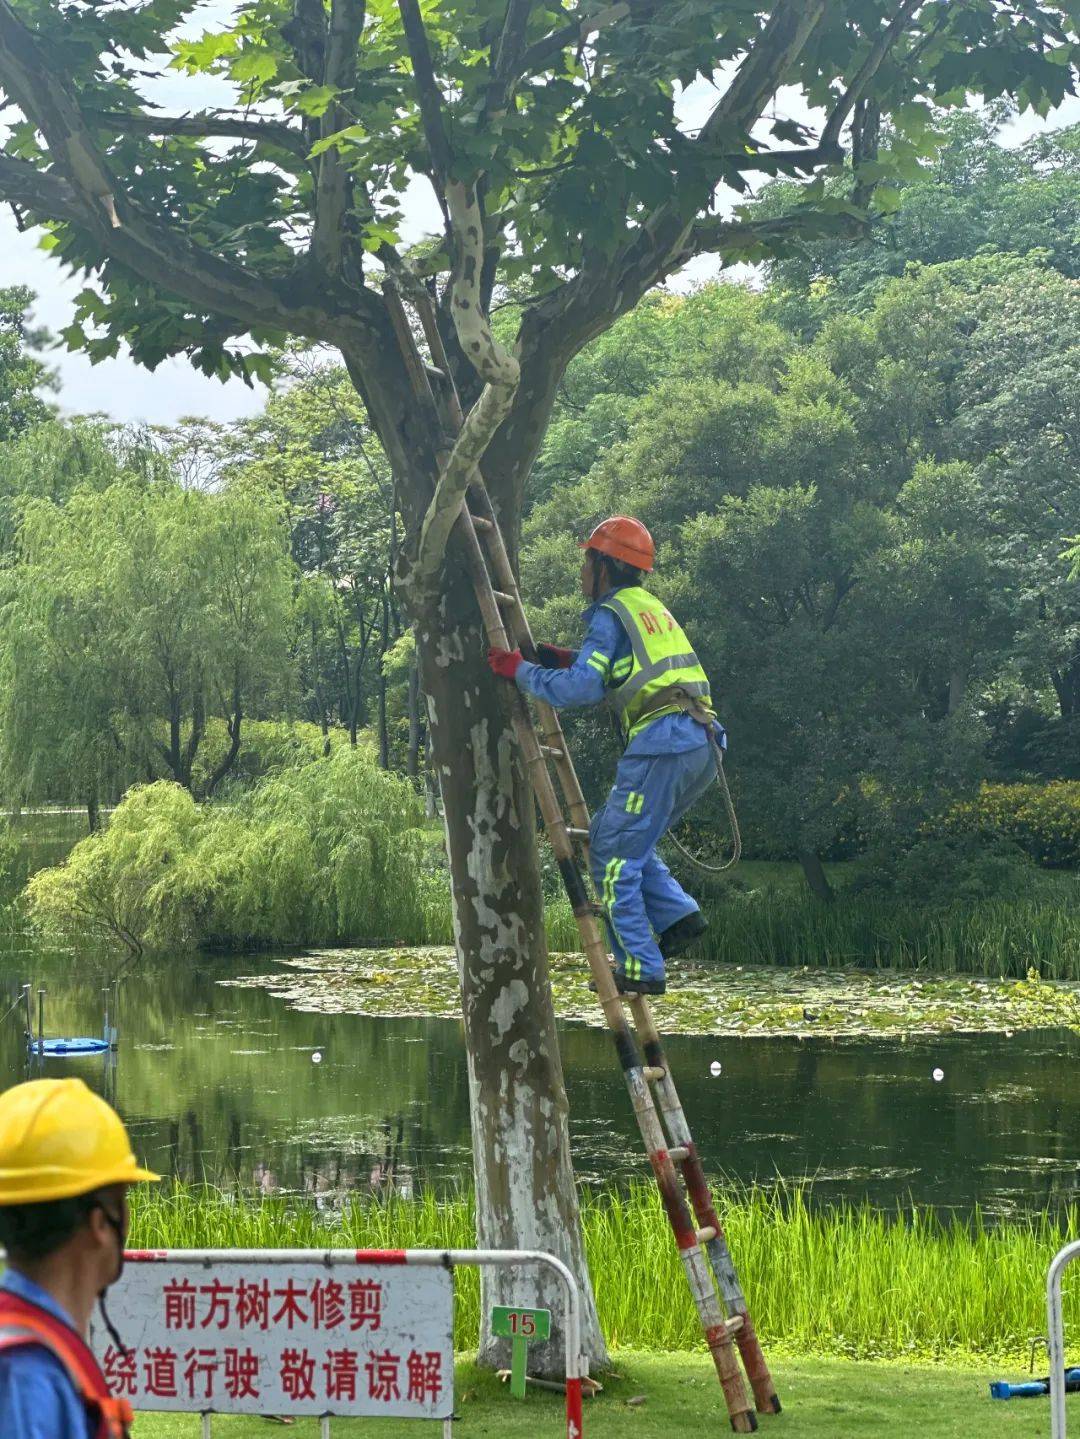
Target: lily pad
[712, 999]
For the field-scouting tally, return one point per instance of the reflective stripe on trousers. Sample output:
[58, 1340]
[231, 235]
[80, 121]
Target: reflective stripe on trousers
[639, 894]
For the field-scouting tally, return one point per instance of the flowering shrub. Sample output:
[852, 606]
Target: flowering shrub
[1043, 819]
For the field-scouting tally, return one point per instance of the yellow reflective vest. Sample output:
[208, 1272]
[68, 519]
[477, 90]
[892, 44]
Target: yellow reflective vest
[661, 656]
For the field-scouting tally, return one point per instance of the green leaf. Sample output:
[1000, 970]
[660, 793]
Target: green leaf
[338, 138]
[316, 100]
[255, 67]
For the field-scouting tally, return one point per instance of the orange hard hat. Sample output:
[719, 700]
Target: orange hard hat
[623, 539]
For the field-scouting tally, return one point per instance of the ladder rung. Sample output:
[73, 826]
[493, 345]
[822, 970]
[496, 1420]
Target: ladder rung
[503, 598]
[654, 1071]
[679, 1153]
[706, 1234]
[552, 753]
[577, 833]
[480, 523]
[734, 1323]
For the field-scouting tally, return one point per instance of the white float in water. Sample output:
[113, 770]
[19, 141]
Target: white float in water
[939, 1075]
[715, 1068]
[316, 1058]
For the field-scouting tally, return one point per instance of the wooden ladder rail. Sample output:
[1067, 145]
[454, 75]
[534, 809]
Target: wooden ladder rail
[637, 1075]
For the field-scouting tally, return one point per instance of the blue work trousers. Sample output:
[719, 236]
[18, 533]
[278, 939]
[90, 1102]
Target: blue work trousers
[641, 897]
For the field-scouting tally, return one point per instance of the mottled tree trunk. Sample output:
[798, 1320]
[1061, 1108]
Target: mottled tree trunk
[814, 873]
[384, 645]
[525, 1191]
[412, 758]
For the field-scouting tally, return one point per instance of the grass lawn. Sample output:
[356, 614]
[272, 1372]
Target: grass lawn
[822, 1397]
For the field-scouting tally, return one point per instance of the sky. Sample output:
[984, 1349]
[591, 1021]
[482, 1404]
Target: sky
[129, 393]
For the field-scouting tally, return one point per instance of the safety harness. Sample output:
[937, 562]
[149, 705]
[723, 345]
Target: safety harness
[660, 660]
[666, 701]
[23, 1324]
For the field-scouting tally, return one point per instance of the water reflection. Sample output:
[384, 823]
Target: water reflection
[218, 1084]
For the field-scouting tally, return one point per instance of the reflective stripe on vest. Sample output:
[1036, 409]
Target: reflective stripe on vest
[23, 1324]
[661, 656]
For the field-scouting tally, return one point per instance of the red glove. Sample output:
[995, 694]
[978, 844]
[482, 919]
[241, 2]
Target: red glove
[504, 662]
[554, 657]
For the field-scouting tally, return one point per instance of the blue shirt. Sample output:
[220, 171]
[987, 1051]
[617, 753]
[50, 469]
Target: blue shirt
[37, 1398]
[588, 679]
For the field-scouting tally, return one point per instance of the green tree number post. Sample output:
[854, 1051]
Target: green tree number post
[519, 1326]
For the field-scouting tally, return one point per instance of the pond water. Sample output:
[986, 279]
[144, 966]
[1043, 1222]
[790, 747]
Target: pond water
[222, 1084]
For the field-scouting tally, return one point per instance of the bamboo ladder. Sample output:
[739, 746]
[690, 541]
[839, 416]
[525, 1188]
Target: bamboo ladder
[703, 1249]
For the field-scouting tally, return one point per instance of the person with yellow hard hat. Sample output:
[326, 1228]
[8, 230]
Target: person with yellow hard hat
[636, 658]
[65, 1166]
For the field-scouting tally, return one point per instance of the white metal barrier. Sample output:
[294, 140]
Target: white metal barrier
[448, 1259]
[1056, 1337]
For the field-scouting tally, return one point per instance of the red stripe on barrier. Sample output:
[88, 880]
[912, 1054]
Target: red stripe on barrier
[143, 1254]
[574, 1421]
[382, 1256]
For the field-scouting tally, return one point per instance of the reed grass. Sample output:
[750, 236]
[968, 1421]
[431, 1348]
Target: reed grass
[827, 1280]
[998, 938]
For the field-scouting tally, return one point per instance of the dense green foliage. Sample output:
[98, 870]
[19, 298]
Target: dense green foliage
[862, 531]
[974, 193]
[824, 1280]
[21, 375]
[569, 115]
[1044, 820]
[135, 610]
[314, 853]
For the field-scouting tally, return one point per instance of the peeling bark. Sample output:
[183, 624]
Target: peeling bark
[525, 1190]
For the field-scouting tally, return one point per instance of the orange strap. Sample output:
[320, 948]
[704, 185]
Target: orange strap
[23, 1323]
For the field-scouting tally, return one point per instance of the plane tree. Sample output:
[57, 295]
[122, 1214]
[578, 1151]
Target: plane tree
[575, 151]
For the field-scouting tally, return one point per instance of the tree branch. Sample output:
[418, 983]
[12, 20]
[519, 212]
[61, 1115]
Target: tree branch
[305, 34]
[507, 55]
[160, 253]
[427, 88]
[576, 34]
[32, 84]
[496, 366]
[714, 236]
[763, 69]
[40, 191]
[205, 125]
[653, 251]
[333, 198]
[867, 70]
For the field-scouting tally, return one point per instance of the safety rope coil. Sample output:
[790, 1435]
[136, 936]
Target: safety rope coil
[729, 806]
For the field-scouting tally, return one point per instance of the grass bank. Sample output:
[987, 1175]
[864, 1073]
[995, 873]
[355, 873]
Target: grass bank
[678, 1394]
[831, 1281]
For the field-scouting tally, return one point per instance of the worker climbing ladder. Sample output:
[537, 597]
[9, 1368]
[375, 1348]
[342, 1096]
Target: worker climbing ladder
[684, 1191]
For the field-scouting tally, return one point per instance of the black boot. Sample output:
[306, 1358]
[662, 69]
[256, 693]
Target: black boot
[634, 986]
[682, 934]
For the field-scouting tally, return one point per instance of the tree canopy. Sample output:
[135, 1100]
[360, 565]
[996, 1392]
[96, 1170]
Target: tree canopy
[22, 376]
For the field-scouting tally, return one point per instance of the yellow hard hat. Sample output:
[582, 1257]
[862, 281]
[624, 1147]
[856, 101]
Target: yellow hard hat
[59, 1139]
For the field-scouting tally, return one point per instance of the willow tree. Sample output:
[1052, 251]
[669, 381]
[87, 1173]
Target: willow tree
[554, 137]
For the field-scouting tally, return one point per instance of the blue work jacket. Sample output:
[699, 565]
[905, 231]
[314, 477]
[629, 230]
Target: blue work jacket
[589, 678]
[37, 1397]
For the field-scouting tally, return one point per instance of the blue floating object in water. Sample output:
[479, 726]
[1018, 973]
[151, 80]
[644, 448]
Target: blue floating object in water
[62, 1048]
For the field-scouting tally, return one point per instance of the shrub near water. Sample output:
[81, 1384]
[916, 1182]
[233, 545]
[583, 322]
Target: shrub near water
[821, 1280]
[327, 852]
